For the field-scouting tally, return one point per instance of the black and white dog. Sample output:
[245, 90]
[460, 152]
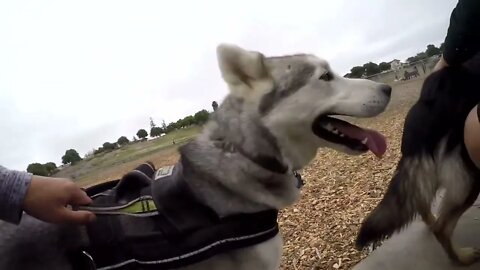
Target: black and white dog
[433, 157]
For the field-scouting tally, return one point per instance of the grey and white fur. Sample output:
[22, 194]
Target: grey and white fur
[271, 111]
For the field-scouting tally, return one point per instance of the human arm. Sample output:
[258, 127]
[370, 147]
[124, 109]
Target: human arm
[463, 35]
[45, 198]
[13, 189]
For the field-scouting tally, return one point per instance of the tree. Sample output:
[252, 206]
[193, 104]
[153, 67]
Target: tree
[156, 132]
[442, 47]
[201, 117]
[37, 169]
[179, 124]
[98, 151]
[109, 146]
[188, 121]
[422, 55]
[214, 105]
[418, 57]
[71, 156]
[50, 167]
[164, 126]
[384, 66]
[371, 68]
[142, 133]
[122, 140]
[432, 50]
[357, 72]
[171, 127]
[412, 59]
[152, 124]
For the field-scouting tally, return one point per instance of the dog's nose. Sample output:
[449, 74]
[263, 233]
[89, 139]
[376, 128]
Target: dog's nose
[387, 90]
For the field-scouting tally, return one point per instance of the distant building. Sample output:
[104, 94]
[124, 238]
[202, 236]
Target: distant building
[395, 64]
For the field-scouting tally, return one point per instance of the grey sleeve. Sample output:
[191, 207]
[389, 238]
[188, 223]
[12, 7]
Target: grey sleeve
[13, 188]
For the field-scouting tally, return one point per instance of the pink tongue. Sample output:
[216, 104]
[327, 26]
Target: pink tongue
[375, 141]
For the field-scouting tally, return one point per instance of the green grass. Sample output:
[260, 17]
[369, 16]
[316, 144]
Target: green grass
[131, 152]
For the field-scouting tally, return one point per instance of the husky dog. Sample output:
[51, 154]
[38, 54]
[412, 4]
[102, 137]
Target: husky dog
[434, 157]
[277, 114]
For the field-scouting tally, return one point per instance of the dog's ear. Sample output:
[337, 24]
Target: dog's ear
[244, 71]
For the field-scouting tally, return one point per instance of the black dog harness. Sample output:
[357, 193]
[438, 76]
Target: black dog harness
[151, 220]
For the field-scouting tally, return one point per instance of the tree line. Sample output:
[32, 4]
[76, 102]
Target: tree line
[71, 156]
[371, 68]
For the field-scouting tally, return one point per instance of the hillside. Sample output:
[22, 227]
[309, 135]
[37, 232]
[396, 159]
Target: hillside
[112, 164]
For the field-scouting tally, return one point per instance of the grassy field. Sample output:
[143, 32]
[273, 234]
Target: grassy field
[111, 165]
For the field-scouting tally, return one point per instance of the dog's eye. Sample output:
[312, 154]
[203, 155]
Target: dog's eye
[327, 76]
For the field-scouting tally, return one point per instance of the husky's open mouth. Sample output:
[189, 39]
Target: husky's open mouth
[356, 138]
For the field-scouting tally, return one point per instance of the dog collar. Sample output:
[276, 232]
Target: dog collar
[267, 162]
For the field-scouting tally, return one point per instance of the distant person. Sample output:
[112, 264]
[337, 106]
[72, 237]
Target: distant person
[45, 198]
[461, 44]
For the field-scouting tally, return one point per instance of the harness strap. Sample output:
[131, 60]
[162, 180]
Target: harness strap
[230, 234]
[153, 221]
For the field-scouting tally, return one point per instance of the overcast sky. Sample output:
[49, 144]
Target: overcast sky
[75, 74]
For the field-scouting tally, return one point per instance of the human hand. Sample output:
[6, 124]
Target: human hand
[47, 199]
[440, 64]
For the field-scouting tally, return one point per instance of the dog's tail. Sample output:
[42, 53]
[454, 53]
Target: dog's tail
[410, 192]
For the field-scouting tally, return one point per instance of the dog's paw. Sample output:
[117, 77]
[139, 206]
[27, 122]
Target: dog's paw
[468, 255]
